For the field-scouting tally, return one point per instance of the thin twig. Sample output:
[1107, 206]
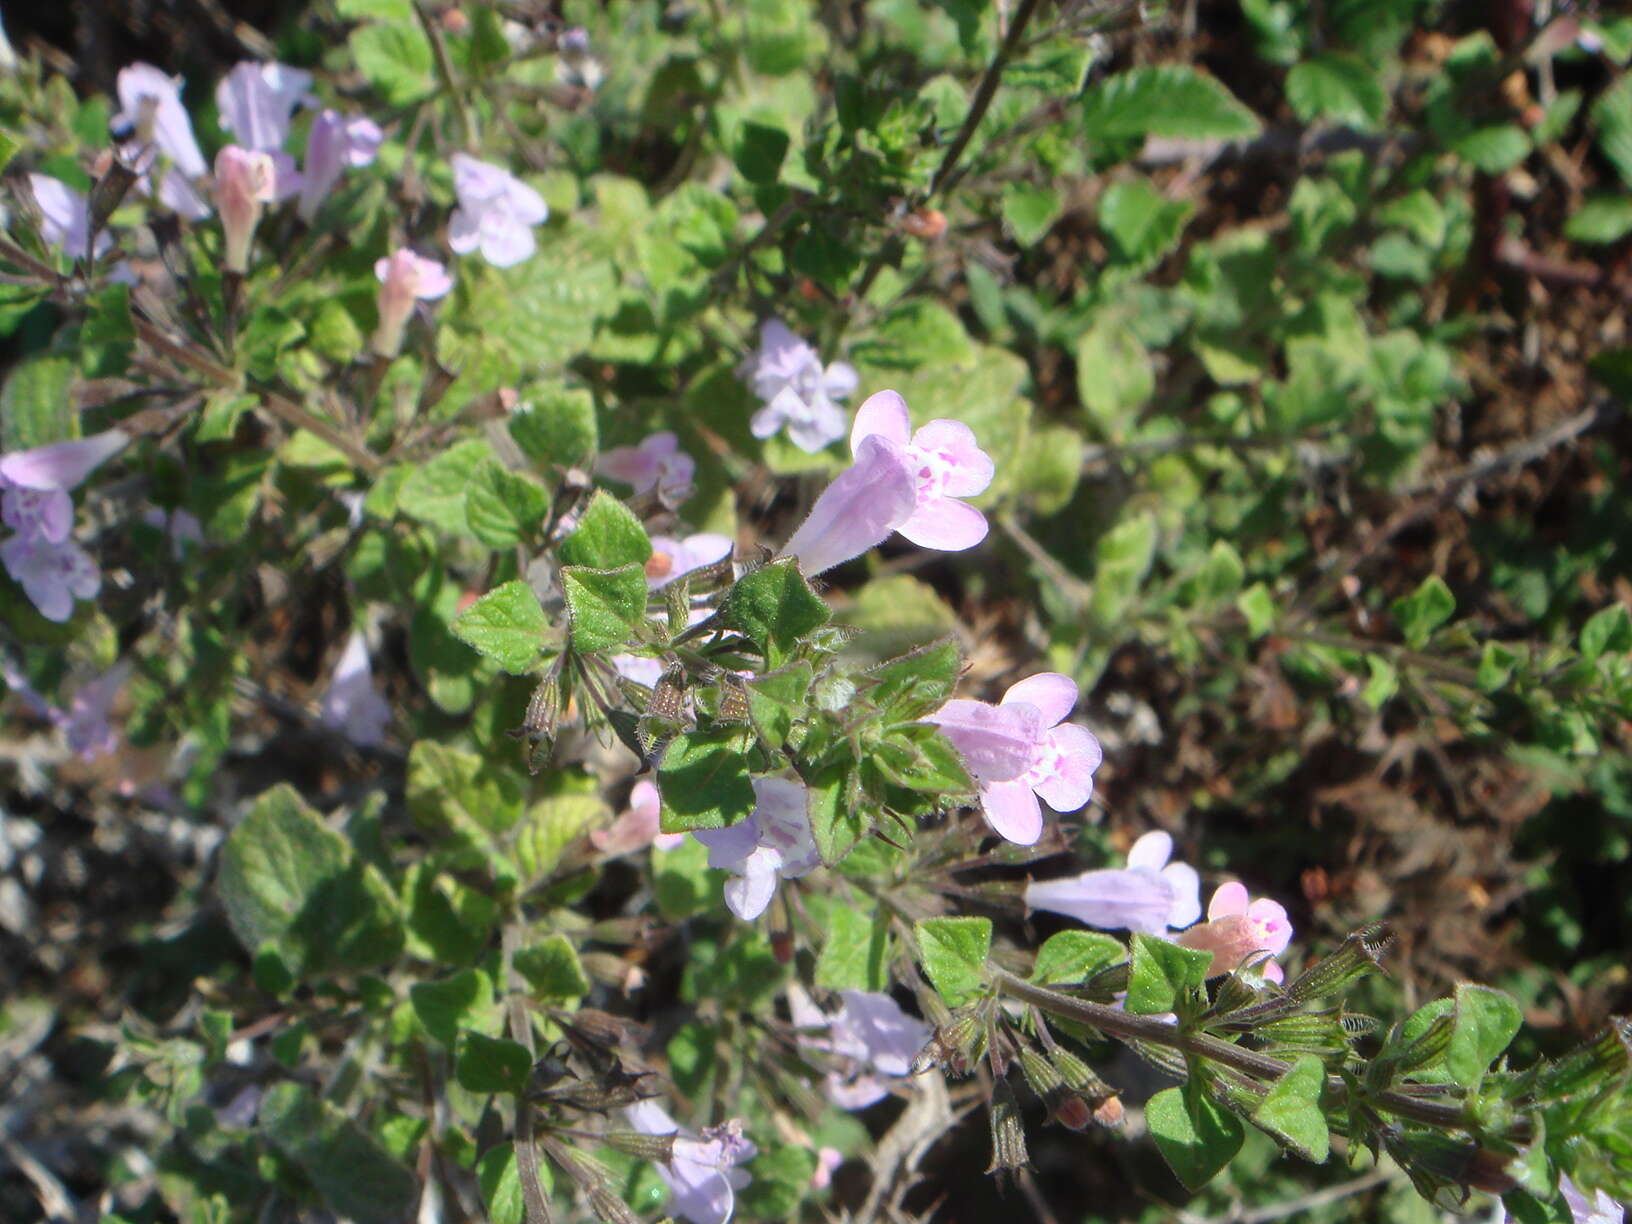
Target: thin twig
[983, 98]
[521, 1029]
[1326, 1195]
[450, 82]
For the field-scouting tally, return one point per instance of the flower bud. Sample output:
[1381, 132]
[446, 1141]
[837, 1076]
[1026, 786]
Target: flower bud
[405, 278]
[244, 181]
[1008, 1133]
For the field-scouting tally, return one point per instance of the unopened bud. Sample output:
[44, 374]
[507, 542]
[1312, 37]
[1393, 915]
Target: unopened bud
[1008, 1134]
[1359, 954]
[1594, 1065]
[244, 181]
[925, 223]
[658, 1149]
[956, 1046]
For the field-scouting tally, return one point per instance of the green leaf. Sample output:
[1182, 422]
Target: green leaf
[500, 1181]
[1291, 1110]
[917, 683]
[544, 311]
[759, 151]
[1196, 1137]
[486, 1065]
[548, 828]
[1607, 632]
[856, 953]
[503, 508]
[106, 338]
[1162, 973]
[1612, 114]
[1048, 467]
[1601, 219]
[1141, 223]
[1072, 956]
[506, 625]
[8, 149]
[1486, 1021]
[838, 820]
[1424, 610]
[1343, 88]
[1257, 605]
[1114, 376]
[396, 59]
[704, 781]
[603, 605]
[777, 700]
[552, 969]
[953, 951]
[1493, 149]
[1223, 574]
[289, 881]
[607, 536]
[1122, 559]
[449, 922]
[446, 1006]
[774, 607]
[555, 426]
[1384, 682]
[457, 795]
[434, 492]
[35, 406]
[1030, 212]
[1166, 101]
[1496, 664]
[356, 1177]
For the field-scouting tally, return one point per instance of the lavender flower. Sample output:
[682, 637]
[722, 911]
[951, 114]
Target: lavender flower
[1237, 930]
[496, 213]
[1150, 894]
[863, 506]
[869, 1035]
[947, 464]
[773, 844]
[1022, 750]
[51, 574]
[1600, 1209]
[405, 278]
[657, 463]
[334, 143]
[351, 705]
[152, 109]
[701, 1173]
[257, 101]
[672, 558]
[65, 219]
[798, 393]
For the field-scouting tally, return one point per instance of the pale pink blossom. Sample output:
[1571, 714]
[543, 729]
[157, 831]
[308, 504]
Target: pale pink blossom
[673, 557]
[257, 101]
[65, 218]
[773, 844]
[351, 705]
[405, 278]
[798, 394]
[1150, 894]
[1239, 930]
[60, 465]
[496, 213]
[858, 511]
[244, 182]
[657, 463]
[636, 828]
[870, 1038]
[701, 1173]
[1023, 749]
[828, 1160]
[334, 143]
[946, 463]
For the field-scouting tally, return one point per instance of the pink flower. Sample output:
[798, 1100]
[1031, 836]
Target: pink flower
[787, 375]
[52, 574]
[152, 109]
[496, 213]
[701, 1173]
[636, 828]
[1236, 932]
[671, 558]
[244, 181]
[828, 1160]
[861, 508]
[61, 465]
[773, 844]
[86, 726]
[405, 278]
[256, 102]
[65, 219]
[1021, 750]
[1600, 1209]
[870, 1036]
[351, 705]
[1149, 894]
[334, 143]
[657, 463]
[946, 465]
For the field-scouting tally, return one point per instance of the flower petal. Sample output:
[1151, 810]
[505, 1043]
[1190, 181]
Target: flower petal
[1011, 809]
[968, 468]
[864, 504]
[1185, 885]
[840, 380]
[1228, 901]
[1113, 899]
[1053, 694]
[884, 414]
[996, 742]
[1151, 851]
[62, 465]
[1075, 754]
[946, 524]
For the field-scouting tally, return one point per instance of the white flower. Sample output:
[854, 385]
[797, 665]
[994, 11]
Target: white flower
[799, 394]
[496, 213]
